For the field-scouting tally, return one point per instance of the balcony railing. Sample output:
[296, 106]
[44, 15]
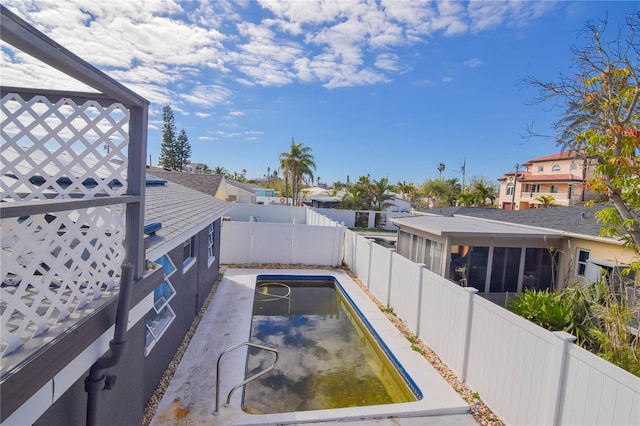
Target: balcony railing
[63, 190]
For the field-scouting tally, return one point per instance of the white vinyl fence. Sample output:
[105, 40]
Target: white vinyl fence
[286, 243]
[524, 373]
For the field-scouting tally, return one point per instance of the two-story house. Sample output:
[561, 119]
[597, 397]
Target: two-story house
[561, 176]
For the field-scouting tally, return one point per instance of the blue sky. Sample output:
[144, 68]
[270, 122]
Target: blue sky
[386, 88]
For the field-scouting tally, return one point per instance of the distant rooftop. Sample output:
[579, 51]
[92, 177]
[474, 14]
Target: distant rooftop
[203, 182]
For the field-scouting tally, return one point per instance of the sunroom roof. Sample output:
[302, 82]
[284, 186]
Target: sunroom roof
[463, 226]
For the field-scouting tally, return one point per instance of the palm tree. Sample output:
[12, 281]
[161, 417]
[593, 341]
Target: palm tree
[219, 170]
[297, 164]
[380, 193]
[546, 200]
[441, 169]
[483, 192]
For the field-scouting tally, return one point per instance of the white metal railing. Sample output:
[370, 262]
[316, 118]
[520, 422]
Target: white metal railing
[56, 261]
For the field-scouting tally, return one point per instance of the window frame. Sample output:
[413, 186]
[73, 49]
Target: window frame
[510, 188]
[211, 257]
[188, 257]
[581, 265]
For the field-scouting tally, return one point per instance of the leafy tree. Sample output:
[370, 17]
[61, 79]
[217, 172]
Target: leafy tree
[407, 190]
[600, 120]
[168, 155]
[182, 150]
[297, 164]
[441, 192]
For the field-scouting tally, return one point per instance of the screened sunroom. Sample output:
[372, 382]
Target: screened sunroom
[493, 257]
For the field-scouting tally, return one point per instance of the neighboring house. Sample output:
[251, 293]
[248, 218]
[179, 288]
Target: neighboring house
[73, 320]
[561, 176]
[498, 251]
[195, 168]
[398, 205]
[243, 192]
[214, 185]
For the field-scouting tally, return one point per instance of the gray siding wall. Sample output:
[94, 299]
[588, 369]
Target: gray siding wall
[192, 288]
[137, 375]
[123, 405]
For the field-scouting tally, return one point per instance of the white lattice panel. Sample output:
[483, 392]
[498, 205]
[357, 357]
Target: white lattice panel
[61, 149]
[55, 265]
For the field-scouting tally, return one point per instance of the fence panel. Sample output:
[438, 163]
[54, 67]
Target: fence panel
[362, 259]
[509, 363]
[597, 392]
[272, 243]
[349, 249]
[257, 242]
[380, 269]
[443, 318]
[264, 213]
[348, 217]
[235, 242]
[317, 245]
[405, 290]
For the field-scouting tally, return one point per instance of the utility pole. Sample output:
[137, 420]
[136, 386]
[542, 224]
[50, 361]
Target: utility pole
[513, 192]
[463, 169]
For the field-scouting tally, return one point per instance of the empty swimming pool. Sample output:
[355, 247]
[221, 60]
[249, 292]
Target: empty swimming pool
[329, 357]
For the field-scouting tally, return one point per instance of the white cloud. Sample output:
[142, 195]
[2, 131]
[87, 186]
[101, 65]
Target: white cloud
[174, 51]
[202, 114]
[447, 79]
[387, 61]
[207, 95]
[473, 62]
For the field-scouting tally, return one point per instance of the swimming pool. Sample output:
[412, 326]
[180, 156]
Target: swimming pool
[190, 396]
[329, 356]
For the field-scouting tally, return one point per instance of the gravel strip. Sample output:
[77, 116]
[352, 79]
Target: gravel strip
[479, 410]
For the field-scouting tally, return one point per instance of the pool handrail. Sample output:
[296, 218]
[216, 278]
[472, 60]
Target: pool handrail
[247, 380]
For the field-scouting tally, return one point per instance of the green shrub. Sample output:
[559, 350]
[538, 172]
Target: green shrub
[547, 309]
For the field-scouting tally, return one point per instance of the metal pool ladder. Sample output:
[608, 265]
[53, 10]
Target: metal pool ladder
[247, 380]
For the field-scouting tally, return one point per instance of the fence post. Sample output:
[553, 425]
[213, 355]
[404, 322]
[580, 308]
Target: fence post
[389, 275]
[421, 268]
[370, 245]
[251, 245]
[293, 242]
[555, 391]
[466, 321]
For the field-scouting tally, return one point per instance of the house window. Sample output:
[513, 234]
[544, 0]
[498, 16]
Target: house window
[574, 166]
[581, 264]
[161, 316]
[510, 187]
[531, 188]
[540, 168]
[554, 189]
[188, 254]
[210, 246]
[555, 168]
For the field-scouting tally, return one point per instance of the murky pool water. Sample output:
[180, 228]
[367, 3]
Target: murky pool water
[327, 357]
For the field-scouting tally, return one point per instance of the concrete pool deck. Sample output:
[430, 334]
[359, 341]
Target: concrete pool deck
[190, 397]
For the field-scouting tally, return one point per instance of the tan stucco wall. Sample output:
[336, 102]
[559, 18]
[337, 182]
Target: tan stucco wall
[598, 250]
